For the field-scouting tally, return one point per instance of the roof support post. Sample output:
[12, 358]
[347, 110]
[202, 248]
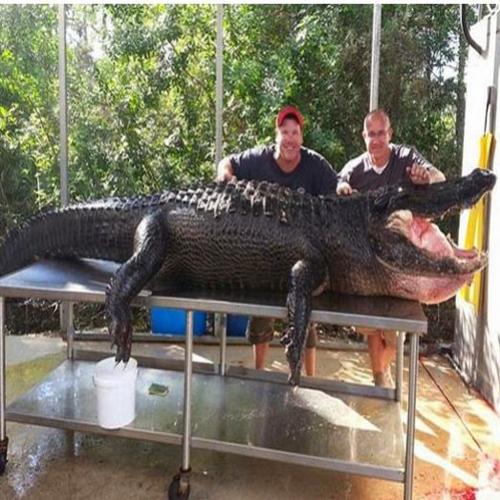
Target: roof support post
[63, 113]
[66, 310]
[219, 84]
[375, 69]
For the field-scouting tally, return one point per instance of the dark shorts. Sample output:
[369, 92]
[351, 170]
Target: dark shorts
[261, 330]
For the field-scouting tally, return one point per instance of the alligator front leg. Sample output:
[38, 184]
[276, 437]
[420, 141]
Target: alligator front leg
[150, 245]
[305, 277]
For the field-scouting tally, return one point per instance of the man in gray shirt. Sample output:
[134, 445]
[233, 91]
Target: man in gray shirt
[382, 164]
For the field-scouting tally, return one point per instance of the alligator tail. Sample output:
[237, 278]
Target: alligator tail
[87, 230]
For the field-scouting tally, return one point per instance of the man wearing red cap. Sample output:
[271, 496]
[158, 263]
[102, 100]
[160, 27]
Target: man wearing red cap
[289, 164]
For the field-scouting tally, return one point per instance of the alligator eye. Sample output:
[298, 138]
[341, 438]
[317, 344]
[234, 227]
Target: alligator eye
[390, 199]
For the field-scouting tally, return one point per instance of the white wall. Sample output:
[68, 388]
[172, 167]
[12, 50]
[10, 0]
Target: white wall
[477, 338]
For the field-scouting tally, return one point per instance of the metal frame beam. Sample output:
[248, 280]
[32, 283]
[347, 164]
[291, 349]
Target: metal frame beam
[375, 66]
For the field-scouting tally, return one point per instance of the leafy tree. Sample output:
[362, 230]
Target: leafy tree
[318, 57]
[28, 111]
[147, 118]
[142, 89]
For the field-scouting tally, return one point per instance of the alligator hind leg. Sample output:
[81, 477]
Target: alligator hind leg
[305, 277]
[150, 245]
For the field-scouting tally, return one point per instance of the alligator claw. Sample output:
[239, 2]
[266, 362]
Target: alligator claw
[286, 338]
[123, 352]
[122, 338]
[293, 355]
[294, 376]
[294, 363]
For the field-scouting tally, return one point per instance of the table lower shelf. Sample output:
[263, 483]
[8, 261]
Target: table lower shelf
[310, 427]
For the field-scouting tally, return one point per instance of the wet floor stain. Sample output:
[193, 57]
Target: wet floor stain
[21, 377]
[488, 487]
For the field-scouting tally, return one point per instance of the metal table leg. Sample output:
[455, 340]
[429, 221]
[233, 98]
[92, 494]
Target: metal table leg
[3, 431]
[399, 365]
[179, 487]
[223, 343]
[69, 326]
[410, 426]
[187, 392]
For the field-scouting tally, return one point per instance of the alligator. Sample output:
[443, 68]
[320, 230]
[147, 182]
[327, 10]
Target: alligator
[260, 236]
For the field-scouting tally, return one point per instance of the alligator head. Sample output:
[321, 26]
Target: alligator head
[421, 262]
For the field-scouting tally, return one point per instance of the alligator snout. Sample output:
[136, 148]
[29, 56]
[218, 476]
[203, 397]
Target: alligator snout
[473, 186]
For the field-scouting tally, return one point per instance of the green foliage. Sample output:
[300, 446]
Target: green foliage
[28, 119]
[142, 90]
[318, 57]
[140, 116]
[420, 98]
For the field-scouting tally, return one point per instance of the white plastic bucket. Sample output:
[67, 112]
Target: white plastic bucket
[115, 385]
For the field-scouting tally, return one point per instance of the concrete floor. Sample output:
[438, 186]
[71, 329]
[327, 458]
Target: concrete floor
[457, 452]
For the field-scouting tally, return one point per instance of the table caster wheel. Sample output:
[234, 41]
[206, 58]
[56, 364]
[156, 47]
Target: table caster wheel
[3, 454]
[3, 463]
[179, 488]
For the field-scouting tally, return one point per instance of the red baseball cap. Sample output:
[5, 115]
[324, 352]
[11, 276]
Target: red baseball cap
[289, 111]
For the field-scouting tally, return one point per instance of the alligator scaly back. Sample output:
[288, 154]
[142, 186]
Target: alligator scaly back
[104, 229]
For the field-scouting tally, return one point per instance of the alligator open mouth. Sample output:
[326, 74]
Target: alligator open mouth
[432, 244]
[406, 240]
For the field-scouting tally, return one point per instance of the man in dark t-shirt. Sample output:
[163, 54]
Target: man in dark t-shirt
[312, 173]
[289, 164]
[383, 164]
[361, 174]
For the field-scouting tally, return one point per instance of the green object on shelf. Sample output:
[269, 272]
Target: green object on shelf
[158, 390]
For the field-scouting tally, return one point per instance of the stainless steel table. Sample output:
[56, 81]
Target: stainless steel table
[324, 423]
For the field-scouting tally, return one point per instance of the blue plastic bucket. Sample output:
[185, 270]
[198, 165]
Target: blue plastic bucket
[173, 321]
[237, 325]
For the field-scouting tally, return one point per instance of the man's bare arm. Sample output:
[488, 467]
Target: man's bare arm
[344, 188]
[225, 170]
[421, 174]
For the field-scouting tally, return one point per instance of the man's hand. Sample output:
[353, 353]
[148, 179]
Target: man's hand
[419, 174]
[344, 189]
[225, 170]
